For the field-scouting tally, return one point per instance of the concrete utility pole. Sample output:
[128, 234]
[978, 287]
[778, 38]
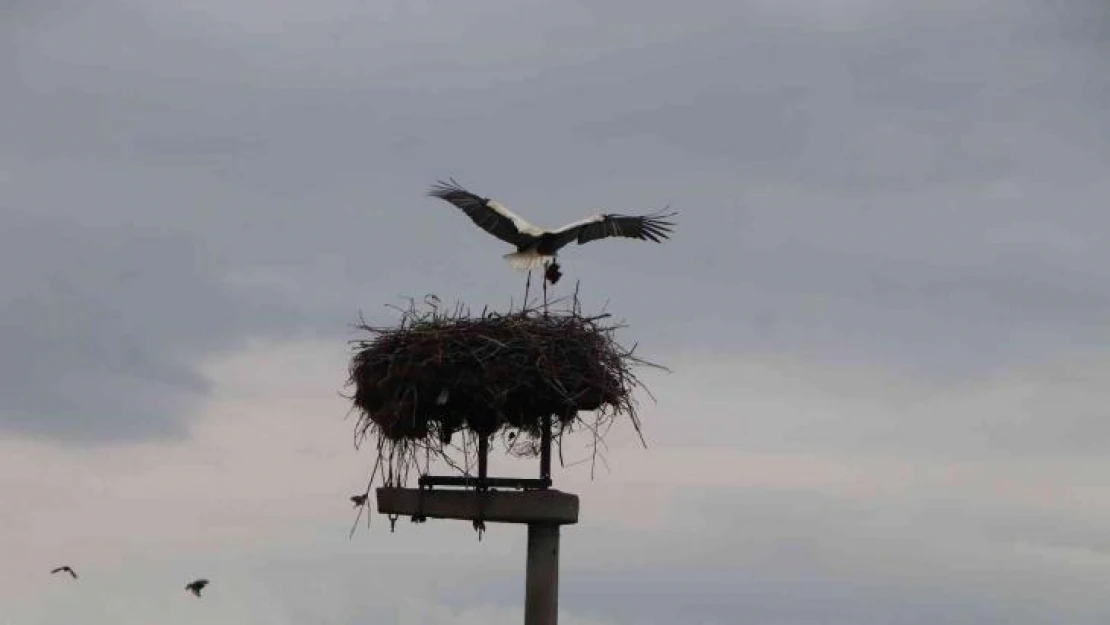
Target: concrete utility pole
[543, 509]
[541, 582]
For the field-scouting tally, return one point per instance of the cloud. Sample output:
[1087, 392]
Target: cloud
[864, 182]
[804, 490]
[95, 343]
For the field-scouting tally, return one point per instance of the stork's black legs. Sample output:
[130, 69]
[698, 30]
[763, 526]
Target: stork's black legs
[527, 288]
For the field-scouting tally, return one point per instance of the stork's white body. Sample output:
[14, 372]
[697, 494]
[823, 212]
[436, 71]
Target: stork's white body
[530, 259]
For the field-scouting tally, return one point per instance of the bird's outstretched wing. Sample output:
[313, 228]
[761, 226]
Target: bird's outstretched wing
[490, 215]
[65, 569]
[653, 227]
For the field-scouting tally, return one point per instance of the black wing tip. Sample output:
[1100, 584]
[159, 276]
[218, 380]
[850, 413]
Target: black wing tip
[662, 215]
[653, 227]
[443, 188]
[657, 228]
[657, 217]
[453, 192]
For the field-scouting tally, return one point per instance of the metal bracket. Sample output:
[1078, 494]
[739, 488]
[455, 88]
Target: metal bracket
[484, 483]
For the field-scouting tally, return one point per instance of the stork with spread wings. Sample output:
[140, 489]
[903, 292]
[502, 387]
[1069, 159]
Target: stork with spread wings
[535, 246]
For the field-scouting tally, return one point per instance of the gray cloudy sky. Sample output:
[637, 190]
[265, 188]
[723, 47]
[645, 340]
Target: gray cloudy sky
[885, 304]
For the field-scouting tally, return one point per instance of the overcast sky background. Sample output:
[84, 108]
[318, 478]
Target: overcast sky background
[885, 305]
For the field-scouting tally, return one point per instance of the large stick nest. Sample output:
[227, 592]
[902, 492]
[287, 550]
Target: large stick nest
[441, 372]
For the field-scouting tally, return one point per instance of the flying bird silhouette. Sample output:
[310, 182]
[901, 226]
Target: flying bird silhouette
[66, 569]
[196, 586]
[537, 246]
[358, 500]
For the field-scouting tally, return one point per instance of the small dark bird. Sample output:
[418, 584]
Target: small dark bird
[358, 500]
[65, 569]
[538, 246]
[196, 586]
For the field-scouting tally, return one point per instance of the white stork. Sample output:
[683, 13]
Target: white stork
[536, 246]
